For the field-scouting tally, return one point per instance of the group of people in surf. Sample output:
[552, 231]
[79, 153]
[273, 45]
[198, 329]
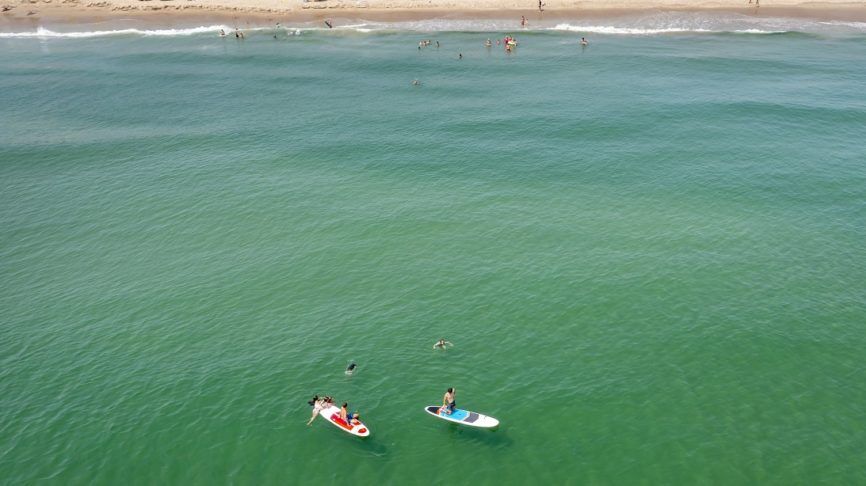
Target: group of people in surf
[238, 33]
[509, 42]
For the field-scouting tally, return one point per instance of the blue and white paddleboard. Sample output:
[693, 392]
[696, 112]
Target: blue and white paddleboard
[463, 417]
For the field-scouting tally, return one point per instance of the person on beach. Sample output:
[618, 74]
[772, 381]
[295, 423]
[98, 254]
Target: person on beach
[329, 24]
[448, 401]
[442, 343]
[540, 6]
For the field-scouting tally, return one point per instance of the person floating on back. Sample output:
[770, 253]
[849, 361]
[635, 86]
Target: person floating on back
[318, 405]
[442, 343]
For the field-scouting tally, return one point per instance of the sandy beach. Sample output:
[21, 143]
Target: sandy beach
[24, 14]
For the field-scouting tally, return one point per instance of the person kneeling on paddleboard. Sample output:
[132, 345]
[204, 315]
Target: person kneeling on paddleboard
[448, 402]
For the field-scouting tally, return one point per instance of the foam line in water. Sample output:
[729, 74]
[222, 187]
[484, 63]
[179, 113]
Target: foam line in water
[608, 29]
[43, 33]
[657, 24]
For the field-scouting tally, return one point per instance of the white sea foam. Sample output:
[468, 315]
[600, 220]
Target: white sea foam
[637, 25]
[860, 26]
[43, 33]
[609, 29]
[356, 27]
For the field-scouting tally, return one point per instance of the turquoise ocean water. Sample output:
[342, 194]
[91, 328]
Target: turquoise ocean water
[650, 254]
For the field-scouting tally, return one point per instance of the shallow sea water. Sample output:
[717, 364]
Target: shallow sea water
[649, 254]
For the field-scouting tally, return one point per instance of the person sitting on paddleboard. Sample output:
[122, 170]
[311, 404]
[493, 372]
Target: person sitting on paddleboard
[442, 343]
[354, 419]
[448, 402]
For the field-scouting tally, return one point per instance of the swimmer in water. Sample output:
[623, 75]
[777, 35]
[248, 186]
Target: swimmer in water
[222, 33]
[351, 369]
[318, 404]
[583, 41]
[488, 43]
[442, 343]
[415, 82]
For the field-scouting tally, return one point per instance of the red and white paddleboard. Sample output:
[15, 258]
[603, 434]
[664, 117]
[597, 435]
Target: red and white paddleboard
[332, 415]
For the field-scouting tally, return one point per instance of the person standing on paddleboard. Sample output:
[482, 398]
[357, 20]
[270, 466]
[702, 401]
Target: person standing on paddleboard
[448, 401]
